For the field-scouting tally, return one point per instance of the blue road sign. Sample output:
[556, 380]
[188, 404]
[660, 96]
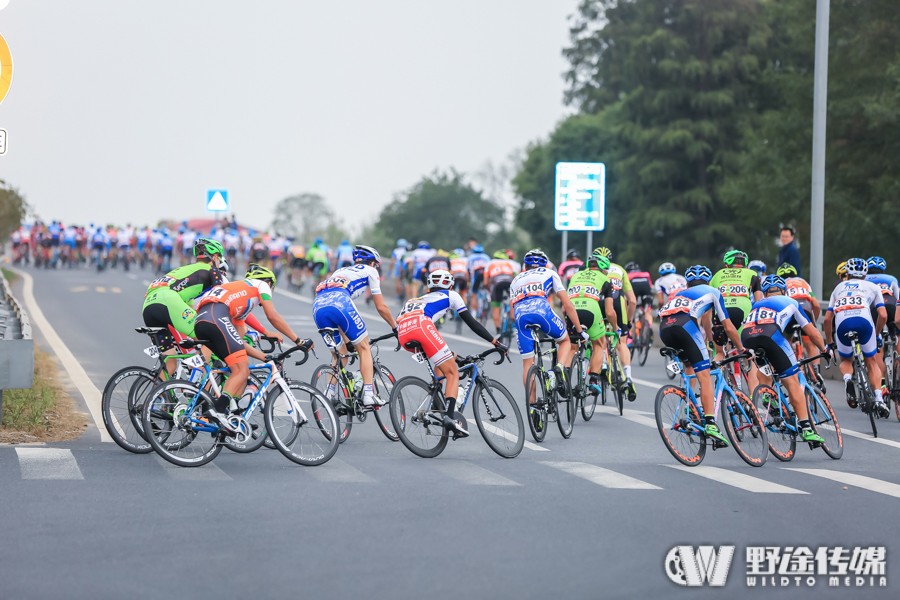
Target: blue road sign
[217, 200]
[580, 197]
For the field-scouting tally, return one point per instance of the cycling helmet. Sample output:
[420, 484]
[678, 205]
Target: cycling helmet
[478, 249]
[599, 261]
[733, 256]
[666, 268]
[698, 273]
[402, 243]
[442, 252]
[758, 266]
[207, 248]
[255, 271]
[841, 270]
[857, 267]
[423, 245]
[535, 258]
[632, 266]
[603, 251]
[366, 254]
[786, 270]
[773, 282]
[459, 252]
[440, 279]
[510, 254]
[876, 263]
[572, 255]
[500, 255]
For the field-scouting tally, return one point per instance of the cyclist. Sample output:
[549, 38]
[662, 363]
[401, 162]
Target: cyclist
[625, 305]
[850, 308]
[459, 268]
[396, 270]
[334, 307]
[769, 319]
[592, 295]
[642, 286]
[344, 254]
[439, 262]
[890, 292]
[683, 321]
[498, 275]
[801, 291]
[570, 266]
[417, 260]
[478, 260]
[668, 283]
[317, 261]
[221, 320]
[760, 268]
[415, 323]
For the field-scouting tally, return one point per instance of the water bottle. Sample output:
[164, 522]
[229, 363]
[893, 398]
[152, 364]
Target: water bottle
[551, 381]
[463, 390]
[357, 381]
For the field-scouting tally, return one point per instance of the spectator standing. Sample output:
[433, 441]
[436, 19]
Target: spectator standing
[789, 252]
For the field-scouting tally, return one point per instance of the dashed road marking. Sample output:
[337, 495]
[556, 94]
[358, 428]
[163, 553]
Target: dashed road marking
[48, 463]
[867, 483]
[471, 474]
[738, 480]
[600, 476]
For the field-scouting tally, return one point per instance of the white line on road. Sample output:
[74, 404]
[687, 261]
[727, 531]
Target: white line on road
[505, 434]
[471, 474]
[867, 483]
[640, 419]
[600, 476]
[868, 437]
[738, 480]
[337, 471]
[76, 372]
[208, 472]
[48, 463]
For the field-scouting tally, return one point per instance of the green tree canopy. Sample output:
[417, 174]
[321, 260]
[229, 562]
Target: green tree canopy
[305, 217]
[13, 209]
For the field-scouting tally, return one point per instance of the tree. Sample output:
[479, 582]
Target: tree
[13, 209]
[305, 217]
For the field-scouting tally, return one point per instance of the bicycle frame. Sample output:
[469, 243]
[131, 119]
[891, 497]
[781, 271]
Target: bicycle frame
[721, 386]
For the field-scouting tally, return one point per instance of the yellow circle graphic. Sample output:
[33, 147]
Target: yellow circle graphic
[6, 68]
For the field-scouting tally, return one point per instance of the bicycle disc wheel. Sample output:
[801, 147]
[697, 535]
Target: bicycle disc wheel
[565, 410]
[536, 415]
[121, 404]
[679, 425]
[417, 417]
[326, 375]
[308, 437]
[780, 437]
[825, 423]
[744, 428]
[170, 428]
[498, 418]
[384, 384]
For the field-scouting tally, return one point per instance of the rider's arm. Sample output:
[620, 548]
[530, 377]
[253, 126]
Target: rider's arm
[251, 351]
[609, 309]
[808, 327]
[475, 326]
[277, 320]
[569, 309]
[733, 335]
[829, 330]
[817, 308]
[630, 304]
[383, 310]
[882, 318]
[256, 324]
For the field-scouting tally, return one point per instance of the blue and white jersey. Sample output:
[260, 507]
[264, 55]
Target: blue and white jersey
[70, 235]
[669, 284]
[54, 231]
[534, 286]
[99, 238]
[433, 304]
[695, 301]
[420, 256]
[166, 243]
[352, 280]
[855, 298]
[776, 310]
[890, 290]
[344, 253]
[477, 262]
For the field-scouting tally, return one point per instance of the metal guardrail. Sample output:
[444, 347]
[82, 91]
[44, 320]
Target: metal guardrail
[21, 325]
[16, 344]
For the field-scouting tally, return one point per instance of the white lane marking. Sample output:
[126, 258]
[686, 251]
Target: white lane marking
[471, 474]
[337, 471]
[100, 289]
[48, 463]
[208, 472]
[600, 476]
[640, 419]
[868, 437]
[738, 480]
[867, 483]
[497, 431]
[76, 372]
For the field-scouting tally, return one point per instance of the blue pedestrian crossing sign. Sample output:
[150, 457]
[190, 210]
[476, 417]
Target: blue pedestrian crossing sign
[217, 200]
[580, 196]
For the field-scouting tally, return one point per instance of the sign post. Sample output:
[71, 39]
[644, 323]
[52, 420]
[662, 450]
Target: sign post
[580, 200]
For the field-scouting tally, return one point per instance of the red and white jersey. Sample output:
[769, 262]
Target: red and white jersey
[535, 284]
[241, 297]
[459, 267]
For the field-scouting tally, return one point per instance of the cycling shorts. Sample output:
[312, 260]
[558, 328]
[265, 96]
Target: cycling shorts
[335, 308]
[298, 263]
[461, 283]
[621, 311]
[318, 268]
[864, 329]
[778, 350]
[645, 301]
[591, 319]
[537, 312]
[497, 291]
[477, 280]
[215, 326]
[682, 333]
[421, 329]
[164, 307]
[891, 307]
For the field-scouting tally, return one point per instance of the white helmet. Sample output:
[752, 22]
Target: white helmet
[440, 279]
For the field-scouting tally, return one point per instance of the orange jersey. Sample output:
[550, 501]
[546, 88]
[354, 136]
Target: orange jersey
[499, 270]
[459, 267]
[241, 297]
[799, 289]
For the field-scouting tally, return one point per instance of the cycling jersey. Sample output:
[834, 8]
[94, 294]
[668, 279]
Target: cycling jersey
[679, 327]
[764, 329]
[890, 290]
[344, 255]
[415, 323]
[500, 271]
[852, 303]
[241, 297]
[436, 263]
[188, 281]
[459, 267]
[801, 291]
[433, 305]
[641, 283]
[737, 287]
[351, 280]
[694, 302]
[477, 262]
[778, 311]
[587, 291]
[419, 257]
[568, 268]
[670, 284]
[534, 285]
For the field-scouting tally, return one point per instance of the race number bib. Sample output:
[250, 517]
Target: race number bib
[675, 306]
[416, 305]
[762, 316]
[734, 290]
[849, 303]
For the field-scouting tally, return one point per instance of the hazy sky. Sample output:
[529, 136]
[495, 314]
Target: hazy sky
[130, 110]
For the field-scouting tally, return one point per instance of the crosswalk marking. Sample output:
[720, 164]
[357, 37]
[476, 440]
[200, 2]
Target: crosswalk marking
[629, 415]
[338, 471]
[48, 463]
[600, 476]
[471, 474]
[738, 480]
[208, 472]
[504, 434]
[867, 483]
[868, 437]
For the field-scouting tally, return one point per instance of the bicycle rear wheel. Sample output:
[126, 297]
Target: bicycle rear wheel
[384, 384]
[644, 351]
[536, 401]
[308, 439]
[325, 376]
[777, 418]
[121, 404]
[824, 422]
[680, 425]
[498, 418]
[618, 381]
[171, 424]
[744, 428]
[565, 410]
[587, 398]
[417, 415]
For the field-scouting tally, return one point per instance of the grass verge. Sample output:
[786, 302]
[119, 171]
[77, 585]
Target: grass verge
[10, 276]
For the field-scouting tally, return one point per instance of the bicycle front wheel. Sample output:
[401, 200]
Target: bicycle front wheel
[618, 381]
[825, 423]
[302, 424]
[565, 410]
[121, 405]
[536, 399]
[498, 418]
[384, 385]
[175, 427]
[778, 419]
[744, 428]
[417, 416]
[680, 425]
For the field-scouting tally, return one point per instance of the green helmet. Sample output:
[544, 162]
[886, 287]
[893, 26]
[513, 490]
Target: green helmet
[733, 256]
[603, 251]
[601, 262]
[255, 271]
[500, 255]
[206, 248]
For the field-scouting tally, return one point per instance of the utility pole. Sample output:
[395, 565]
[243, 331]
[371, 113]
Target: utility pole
[820, 109]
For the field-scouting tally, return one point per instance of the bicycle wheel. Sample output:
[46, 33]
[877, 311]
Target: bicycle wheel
[536, 390]
[618, 381]
[256, 436]
[325, 376]
[565, 410]
[587, 398]
[864, 394]
[498, 418]
[384, 384]
[302, 424]
[172, 428]
[744, 428]
[680, 425]
[417, 414]
[824, 422]
[121, 406]
[777, 419]
[644, 350]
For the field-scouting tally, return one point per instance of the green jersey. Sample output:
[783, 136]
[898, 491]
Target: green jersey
[589, 287]
[736, 286]
[188, 281]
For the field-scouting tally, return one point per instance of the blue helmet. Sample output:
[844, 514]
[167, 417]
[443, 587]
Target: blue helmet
[402, 243]
[345, 242]
[666, 268]
[857, 267]
[698, 273]
[758, 266]
[423, 245]
[773, 282]
[318, 242]
[876, 262]
[535, 258]
[478, 249]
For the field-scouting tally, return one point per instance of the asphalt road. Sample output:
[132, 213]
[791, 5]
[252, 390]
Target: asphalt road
[589, 517]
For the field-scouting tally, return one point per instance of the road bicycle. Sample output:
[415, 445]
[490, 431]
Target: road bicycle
[615, 374]
[642, 339]
[585, 399]
[483, 305]
[865, 397]
[781, 420]
[417, 407]
[892, 370]
[679, 416]
[507, 323]
[545, 402]
[344, 389]
[812, 376]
